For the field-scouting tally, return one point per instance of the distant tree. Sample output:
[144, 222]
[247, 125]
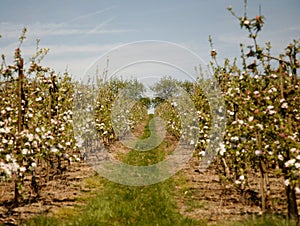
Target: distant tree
[165, 88]
[146, 101]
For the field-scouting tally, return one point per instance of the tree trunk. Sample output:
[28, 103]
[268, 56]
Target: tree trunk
[292, 202]
[20, 119]
[262, 187]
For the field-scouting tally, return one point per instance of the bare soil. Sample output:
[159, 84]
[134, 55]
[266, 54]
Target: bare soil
[63, 191]
[205, 196]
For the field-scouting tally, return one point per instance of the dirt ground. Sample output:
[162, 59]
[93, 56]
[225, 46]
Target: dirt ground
[207, 197]
[63, 191]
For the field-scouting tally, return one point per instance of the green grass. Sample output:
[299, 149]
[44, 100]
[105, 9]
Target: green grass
[117, 204]
[186, 190]
[42, 220]
[265, 220]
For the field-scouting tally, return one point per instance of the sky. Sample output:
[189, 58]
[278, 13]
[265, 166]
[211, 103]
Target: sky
[83, 34]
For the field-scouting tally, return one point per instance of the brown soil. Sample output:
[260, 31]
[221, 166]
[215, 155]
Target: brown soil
[205, 196]
[62, 191]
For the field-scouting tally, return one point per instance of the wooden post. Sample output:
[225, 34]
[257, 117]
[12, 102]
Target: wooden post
[20, 92]
[20, 116]
[281, 81]
[48, 159]
[290, 189]
[262, 175]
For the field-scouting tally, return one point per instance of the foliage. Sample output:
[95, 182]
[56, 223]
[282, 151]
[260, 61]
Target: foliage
[262, 102]
[120, 106]
[35, 122]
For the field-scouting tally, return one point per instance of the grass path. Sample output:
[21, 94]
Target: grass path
[117, 204]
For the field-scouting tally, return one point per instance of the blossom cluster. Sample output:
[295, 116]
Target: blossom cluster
[35, 122]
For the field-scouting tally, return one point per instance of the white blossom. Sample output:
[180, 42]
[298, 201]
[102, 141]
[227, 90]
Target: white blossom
[290, 162]
[238, 182]
[241, 122]
[260, 126]
[247, 22]
[174, 104]
[233, 139]
[280, 157]
[272, 90]
[284, 105]
[35, 144]
[25, 151]
[272, 112]
[258, 152]
[54, 150]
[293, 150]
[273, 76]
[287, 182]
[222, 149]
[30, 137]
[38, 99]
[9, 108]
[202, 153]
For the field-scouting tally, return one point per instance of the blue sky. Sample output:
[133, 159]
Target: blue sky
[79, 32]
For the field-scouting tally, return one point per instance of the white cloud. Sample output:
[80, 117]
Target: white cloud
[149, 58]
[13, 30]
[144, 58]
[294, 28]
[58, 50]
[64, 50]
